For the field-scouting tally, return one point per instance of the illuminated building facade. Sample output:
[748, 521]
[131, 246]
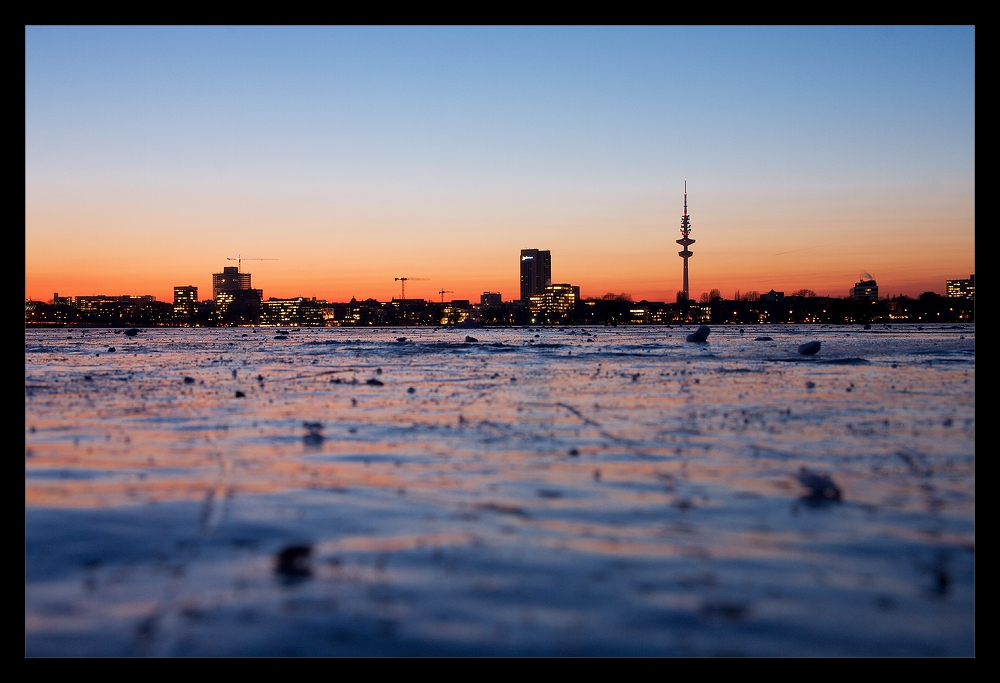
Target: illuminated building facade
[235, 301]
[556, 303]
[639, 315]
[453, 314]
[185, 302]
[865, 290]
[490, 299]
[536, 272]
[229, 280]
[962, 289]
[296, 311]
[90, 304]
[239, 307]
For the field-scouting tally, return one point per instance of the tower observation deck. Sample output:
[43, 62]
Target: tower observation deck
[686, 241]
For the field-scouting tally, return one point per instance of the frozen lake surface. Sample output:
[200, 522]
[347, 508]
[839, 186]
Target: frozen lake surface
[578, 491]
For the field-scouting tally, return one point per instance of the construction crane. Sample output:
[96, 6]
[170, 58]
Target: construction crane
[239, 258]
[445, 291]
[402, 282]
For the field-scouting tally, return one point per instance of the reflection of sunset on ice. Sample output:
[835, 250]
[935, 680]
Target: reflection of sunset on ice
[635, 495]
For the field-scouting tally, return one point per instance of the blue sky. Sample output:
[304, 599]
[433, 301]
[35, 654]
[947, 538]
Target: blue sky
[252, 139]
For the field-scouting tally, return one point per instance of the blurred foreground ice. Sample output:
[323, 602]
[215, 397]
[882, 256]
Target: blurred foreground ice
[587, 491]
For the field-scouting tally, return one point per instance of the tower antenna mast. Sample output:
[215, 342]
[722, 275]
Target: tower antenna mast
[686, 242]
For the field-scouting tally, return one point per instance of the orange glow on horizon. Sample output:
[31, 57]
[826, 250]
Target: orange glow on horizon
[335, 253]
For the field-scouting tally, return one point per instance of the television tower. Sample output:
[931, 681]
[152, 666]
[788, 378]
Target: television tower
[685, 242]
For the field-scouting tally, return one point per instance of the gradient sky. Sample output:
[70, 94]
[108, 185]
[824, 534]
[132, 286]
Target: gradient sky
[356, 155]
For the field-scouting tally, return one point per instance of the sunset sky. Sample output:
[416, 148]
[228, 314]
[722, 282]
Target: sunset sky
[356, 155]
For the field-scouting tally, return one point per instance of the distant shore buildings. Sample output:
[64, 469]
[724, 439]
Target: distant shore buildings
[185, 302]
[865, 290]
[490, 299]
[235, 302]
[554, 304]
[961, 289]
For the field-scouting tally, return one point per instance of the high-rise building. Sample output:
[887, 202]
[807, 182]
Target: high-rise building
[865, 290]
[962, 289]
[185, 301]
[536, 272]
[229, 280]
[235, 301]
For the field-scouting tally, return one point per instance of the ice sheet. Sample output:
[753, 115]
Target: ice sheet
[577, 491]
